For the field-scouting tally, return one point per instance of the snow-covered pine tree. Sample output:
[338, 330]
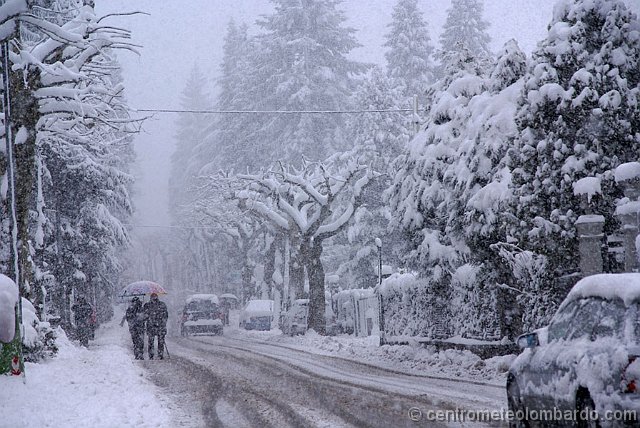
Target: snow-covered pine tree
[378, 139]
[480, 186]
[453, 187]
[423, 187]
[192, 247]
[409, 55]
[465, 28]
[579, 118]
[235, 135]
[192, 129]
[305, 66]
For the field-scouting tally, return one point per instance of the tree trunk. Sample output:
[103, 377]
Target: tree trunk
[24, 118]
[270, 265]
[247, 273]
[315, 272]
[296, 269]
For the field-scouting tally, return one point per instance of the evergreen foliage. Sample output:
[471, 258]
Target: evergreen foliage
[409, 58]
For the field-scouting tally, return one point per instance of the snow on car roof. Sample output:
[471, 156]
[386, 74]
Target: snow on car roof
[260, 305]
[211, 297]
[625, 286]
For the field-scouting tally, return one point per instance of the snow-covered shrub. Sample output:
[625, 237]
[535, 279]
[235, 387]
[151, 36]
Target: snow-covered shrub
[39, 339]
[472, 303]
[535, 291]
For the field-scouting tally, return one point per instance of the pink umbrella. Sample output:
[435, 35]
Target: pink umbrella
[142, 288]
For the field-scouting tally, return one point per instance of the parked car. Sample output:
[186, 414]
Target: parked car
[586, 363]
[295, 320]
[201, 315]
[257, 315]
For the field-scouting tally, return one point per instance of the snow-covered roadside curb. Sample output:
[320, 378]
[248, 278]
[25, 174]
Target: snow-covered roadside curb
[99, 387]
[408, 359]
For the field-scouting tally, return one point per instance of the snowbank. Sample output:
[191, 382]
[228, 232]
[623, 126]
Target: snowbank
[29, 321]
[98, 387]
[8, 300]
[413, 358]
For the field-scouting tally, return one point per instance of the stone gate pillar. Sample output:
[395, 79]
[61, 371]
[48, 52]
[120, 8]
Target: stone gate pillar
[627, 176]
[590, 235]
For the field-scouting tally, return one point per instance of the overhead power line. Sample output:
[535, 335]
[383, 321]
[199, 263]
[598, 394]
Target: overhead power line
[161, 226]
[167, 110]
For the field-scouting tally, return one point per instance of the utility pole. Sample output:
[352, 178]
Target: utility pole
[416, 118]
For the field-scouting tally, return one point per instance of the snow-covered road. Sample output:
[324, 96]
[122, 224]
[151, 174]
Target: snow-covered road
[237, 380]
[250, 383]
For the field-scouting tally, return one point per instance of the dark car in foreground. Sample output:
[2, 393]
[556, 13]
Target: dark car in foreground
[584, 368]
[201, 315]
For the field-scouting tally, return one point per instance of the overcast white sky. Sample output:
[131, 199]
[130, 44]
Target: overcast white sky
[176, 35]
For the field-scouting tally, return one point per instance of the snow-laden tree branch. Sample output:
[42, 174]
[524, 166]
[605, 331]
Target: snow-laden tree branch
[71, 127]
[310, 204]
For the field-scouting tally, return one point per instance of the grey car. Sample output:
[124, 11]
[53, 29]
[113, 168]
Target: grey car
[584, 368]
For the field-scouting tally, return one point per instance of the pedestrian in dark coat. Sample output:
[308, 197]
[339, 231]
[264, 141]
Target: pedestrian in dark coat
[82, 311]
[135, 317]
[156, 315]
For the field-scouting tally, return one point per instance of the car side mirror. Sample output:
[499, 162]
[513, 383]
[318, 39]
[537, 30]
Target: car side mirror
[528, 340]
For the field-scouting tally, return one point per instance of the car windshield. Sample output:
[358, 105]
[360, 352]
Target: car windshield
[299, 312]
[201, 306]
[593, 318]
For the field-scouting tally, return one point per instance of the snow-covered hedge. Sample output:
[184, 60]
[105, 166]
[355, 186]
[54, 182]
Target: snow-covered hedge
[39, 339]
[412, 306]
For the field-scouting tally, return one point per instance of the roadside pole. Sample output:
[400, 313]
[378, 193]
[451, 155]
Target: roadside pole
[379, 292]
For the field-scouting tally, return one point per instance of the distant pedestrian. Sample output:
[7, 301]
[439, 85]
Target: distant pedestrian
[82, 311]
[135, 317]
[225, 310]
[156, 315]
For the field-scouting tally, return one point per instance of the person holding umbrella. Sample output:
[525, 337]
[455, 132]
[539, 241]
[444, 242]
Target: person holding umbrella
[156, 316]
[135, 317]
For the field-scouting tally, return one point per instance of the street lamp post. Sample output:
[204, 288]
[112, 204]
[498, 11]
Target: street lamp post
[379, 293]
[379, 245]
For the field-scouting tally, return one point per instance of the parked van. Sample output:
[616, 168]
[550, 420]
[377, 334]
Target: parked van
[257, 315]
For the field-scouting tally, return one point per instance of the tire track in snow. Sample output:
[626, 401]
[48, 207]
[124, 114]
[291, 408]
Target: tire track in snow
[443, 392]
[359, 403]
